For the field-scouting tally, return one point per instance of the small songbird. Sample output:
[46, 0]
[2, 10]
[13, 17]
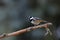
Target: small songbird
[36, 20]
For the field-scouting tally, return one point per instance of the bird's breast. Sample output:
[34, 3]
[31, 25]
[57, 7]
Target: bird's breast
[35, 22]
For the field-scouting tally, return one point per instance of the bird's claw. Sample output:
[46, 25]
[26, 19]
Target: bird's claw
[48, 31]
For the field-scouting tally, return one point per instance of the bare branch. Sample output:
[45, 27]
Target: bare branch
[19, 32]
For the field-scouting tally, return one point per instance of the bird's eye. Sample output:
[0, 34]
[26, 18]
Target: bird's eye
[30, 17]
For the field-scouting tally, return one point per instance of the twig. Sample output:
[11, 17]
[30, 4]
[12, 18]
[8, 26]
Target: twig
[19, 32]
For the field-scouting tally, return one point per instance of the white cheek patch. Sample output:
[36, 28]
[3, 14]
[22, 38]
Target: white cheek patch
[32, 18]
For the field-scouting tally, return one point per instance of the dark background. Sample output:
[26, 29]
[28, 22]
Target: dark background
[14, 13]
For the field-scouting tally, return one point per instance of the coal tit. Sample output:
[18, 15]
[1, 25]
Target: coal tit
[36, 20]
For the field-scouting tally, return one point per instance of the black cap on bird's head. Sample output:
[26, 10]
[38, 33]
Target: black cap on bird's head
[30, 18]
[33, 18]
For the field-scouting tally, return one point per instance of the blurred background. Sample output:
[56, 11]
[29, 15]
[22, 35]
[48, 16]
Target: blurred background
[14, 13]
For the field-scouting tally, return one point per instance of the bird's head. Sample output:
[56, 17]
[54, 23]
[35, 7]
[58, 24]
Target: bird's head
[32, 18]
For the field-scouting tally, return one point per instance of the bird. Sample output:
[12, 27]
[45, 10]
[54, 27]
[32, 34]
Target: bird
[36, 20]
